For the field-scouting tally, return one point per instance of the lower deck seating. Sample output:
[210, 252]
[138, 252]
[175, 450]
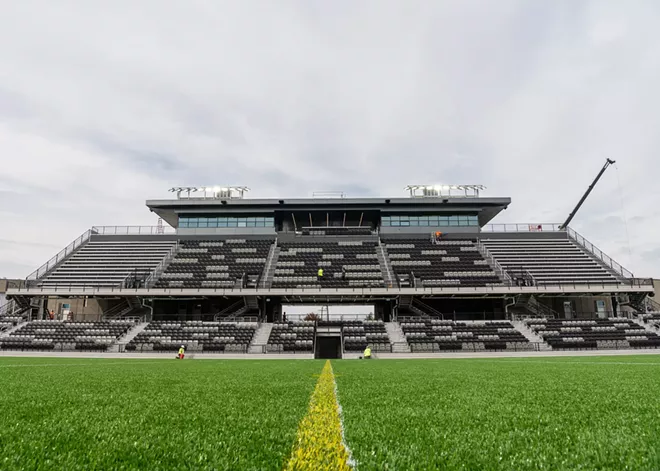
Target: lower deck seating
[593, 333]
[432, 335]
[195, 336]
[652, 319]
[8, 322]
[64, 335]
[291, 337]
[360, 334]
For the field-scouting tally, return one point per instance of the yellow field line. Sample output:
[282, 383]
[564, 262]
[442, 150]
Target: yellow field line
[319, 444]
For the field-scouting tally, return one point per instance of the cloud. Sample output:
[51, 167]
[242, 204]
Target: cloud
[104, 105]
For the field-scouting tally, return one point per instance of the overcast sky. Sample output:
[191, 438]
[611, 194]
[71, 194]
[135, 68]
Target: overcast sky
[104, 104]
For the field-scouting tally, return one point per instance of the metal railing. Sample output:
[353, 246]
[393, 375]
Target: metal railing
[133, 230]
[83, 288]
[386, 261]
[495, 265]
[151, 280]
[599, 254]
[57, 259]
[529, 227]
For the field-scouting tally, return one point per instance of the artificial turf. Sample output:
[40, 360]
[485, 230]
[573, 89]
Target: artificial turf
[98, 414]
[495, 414]
[503, 414]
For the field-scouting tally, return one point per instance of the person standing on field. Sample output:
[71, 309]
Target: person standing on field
[182, 352]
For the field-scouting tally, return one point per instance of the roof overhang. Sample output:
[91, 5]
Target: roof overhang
[486, 208]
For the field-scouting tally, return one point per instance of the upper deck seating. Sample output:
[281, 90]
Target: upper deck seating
[429, 335]
[107, 263]
[359, 334]
[217, 263]
[64, 335]
[196, 336]
[344, 263]
[291, 337]
[593, 333]
[448, 262]
[550, 261]
[337, 230]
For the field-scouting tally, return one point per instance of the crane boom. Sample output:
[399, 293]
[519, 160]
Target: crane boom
[608, 162]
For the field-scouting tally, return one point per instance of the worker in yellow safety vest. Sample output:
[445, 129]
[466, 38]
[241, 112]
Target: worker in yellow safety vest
[320, 272]
[367, 353]
[182, 352]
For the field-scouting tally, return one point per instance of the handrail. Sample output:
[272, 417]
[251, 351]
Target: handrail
[599, 254]
[89, 289]
[529, 227]
[64, 253]
[426, 307]
[269, 263]
[156, 272]
[134, 230]
[499, 269]
[386, 261]
[7, 307]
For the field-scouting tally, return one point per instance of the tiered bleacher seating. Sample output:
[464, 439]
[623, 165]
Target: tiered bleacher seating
[446, 335]
[550, 261]
[358, 334]
[107, 263]
[291, 337]
[447, 262]
[196, 336]
[593, 333]
[345, 263]
[217, 263]
[64, 335]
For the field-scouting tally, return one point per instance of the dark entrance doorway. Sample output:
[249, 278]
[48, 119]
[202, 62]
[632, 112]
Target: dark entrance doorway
[328, 347]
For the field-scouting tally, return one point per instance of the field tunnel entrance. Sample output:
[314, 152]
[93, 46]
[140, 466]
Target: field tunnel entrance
[328, 347]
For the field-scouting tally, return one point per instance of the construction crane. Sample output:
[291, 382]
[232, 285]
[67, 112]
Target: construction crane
[608, 162]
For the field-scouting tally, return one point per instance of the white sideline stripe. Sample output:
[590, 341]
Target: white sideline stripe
[577, 362]
[350, 461]
[139, 362]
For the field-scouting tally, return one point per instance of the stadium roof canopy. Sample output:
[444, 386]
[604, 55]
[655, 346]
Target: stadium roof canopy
[485, 208]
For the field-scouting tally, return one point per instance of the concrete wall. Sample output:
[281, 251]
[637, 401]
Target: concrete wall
[90, 309]
[583, 306]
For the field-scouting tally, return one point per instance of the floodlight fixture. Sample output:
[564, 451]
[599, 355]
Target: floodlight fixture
[210, 192]
[435, 191]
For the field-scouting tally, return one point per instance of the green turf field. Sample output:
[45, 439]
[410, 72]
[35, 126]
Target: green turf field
[550, 413]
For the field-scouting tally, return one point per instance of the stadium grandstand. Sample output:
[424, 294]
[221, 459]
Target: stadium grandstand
[216, 271]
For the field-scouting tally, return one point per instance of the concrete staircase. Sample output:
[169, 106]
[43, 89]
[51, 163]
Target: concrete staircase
[647, 327]
[6, 333]
[530, 335]
[385, 266]
[260, 338]
[397, 338]
[271, 263]
[130, 335]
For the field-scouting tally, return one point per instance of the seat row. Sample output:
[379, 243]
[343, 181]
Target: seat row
[450, 335]
[195, 336]
[593, 333]
[65, 335]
